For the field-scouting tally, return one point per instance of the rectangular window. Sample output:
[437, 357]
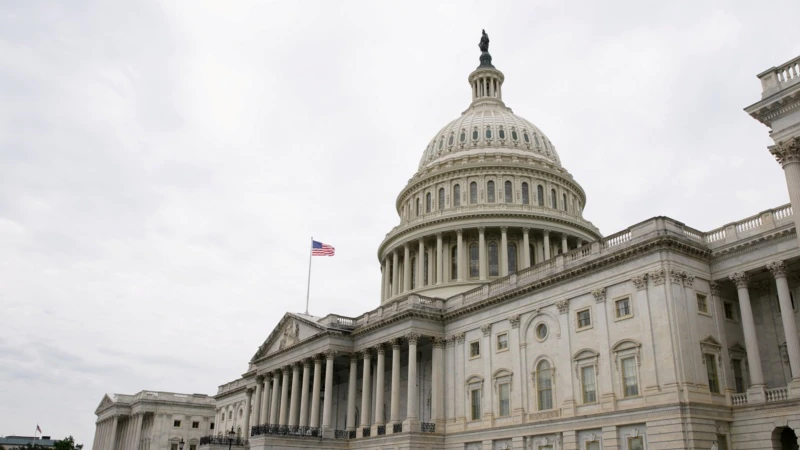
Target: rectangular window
[192, 446]
[502, 341]
[474, 349]
[195, 424]
[504, 399]
[722, 442]
[623, 307]
[176, 423]
[738, 377]
[711, 369]
[629, 378]
[174, 447]
[212, 425]
[588, 385]
[584, 318]
[544, 447]
[727, 307]
[475, 401]
[592, 445]
[635, 443]
[702, 303]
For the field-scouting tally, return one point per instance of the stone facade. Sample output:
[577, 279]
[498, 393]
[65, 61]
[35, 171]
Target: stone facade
[153, 421]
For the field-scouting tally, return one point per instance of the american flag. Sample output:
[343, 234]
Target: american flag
[320, 249]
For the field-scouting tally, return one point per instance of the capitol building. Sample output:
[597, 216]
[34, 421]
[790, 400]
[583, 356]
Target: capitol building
[506, 320]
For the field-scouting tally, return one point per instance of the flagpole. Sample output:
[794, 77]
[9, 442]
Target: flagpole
[308, 287]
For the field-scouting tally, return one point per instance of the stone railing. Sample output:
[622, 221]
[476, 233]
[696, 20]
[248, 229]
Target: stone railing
[398, 304]
[778, 78]
[222, 440]
[337, 321]
[739, 399]
[777, 394]
[745, 228]
[232, 385]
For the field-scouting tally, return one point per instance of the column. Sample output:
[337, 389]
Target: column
[503, 251]
[410, 423]
[526, 248]
[406, 267]
[294, 403]
[314, 422]
[482, 253]
[439, 259]
[328, 405]
[778, 269]
[265, 401]
[546, 244]
[284, 405]
[112, 441]
[379, 385]
[421, 264]
[394, 416]
[383, 280]
[259, 383]
[247, 416]
[395, 273]
[751, 344]
[787, 153]
[366, 389]
[437, 384]
[564, 244]
[447, 260]
[303, 421]
[460, 254]
[351, 393]
[487, 404]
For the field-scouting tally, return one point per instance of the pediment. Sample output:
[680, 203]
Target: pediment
[105, 403]
[710, 341]
[291, 330]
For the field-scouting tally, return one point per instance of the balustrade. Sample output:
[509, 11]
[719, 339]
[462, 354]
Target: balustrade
[381, 430]
[397, 428]
[777, 394]
[222, 440]
[428, 427]
[739, 399]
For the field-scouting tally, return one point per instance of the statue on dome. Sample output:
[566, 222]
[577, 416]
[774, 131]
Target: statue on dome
[484, 44]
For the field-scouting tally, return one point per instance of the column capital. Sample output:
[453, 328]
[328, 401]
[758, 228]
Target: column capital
[460, 232]
[563, 306]
[354, 357]
[545, 232]
[286, 369]
[688, 280]
[778, 269]
[526, 230]
[787, 151]
[514, 320]
[412, 338]
[406, 246]
[503, 229]
[379, 349]
[297, 365]
[460, 336]
[318, 358]
[740, 279]
[714, 286]
[640, 281]
[657, 276]
[259, 378]
[250, 390]
[599, 295]
[439, 342]
[486, 329]
[307, 363]
[481, 230]
[330, 354]
[676, 276]
[396, 343]
[421, 240]
[276, 373]
[365, 354]
[439, 235]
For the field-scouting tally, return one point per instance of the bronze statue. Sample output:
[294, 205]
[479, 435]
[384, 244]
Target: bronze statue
[484, 44]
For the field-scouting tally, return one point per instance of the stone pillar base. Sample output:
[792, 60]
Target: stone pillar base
[411, 425]
[328, 433]
[794, 388]
[756, 394]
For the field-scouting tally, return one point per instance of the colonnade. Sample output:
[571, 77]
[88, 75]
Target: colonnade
[111, 430]
[531, 246]
[740, 279]
[291, 411]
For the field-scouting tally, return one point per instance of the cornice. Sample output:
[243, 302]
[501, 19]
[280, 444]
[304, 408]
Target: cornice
[434, 315]
[322, 334]
[746, 245]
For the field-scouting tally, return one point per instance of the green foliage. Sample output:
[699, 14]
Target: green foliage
[67, 443]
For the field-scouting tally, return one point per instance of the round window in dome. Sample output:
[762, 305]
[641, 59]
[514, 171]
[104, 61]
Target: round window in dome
[526, 137]
[488, 133]
[463, 136]
[541, 332]
[475, 134]
[450, 141]
[501, 133]
[514, 135]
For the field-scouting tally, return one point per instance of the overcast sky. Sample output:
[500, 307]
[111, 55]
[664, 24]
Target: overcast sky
[164, 164]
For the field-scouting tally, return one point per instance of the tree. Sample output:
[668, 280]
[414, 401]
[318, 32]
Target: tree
[67, 443]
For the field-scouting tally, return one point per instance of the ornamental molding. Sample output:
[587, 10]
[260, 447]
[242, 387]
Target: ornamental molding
[676, 276]
[658, 277]
[688, 281]
[486, 329]
[786, 151]
[778, 269]
[412, 338]
[514, 320]
[439, 342]
[740, 279]
[640, 281]
[599, 295]
[460, 337]
[787, 232]
[563, 306]
[714, 286]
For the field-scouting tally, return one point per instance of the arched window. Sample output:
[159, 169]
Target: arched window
[512, 257]
[553, 199]
[488, 133]
[526, 137]
[475, 134]
[514, 136]
[490, 192]
[494, 270]
[501, 133]
[425, 269]
[414, 273]
[474, 264]
[441, 198]
[509, 192]
[450, 140]
[473, 193]
[462, 137]
[526, 196]
[564, 203]
[540, 195]
[544, 385]
[428, 202]
[457, 195]
[418, 207]
[454, 263]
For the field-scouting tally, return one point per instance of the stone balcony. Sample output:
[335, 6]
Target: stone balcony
[221, 442]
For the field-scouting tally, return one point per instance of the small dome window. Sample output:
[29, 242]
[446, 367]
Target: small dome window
[451, 140]
[488, 133]
[441, 142]
[463, 136]
[514, 136]
[501, 133]
[526, 137]
[475, 134]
